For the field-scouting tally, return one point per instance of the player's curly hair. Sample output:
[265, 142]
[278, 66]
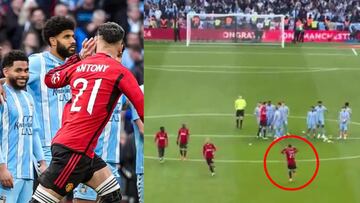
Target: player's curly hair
[55, 25]
[111, 32]
[14, 55]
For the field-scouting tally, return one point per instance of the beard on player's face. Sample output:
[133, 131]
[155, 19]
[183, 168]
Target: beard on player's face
[64, 51]
[18, 83]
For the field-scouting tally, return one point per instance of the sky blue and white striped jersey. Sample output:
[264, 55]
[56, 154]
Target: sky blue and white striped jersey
[348, 109]
[139, 143]
[257, 112]
[320, 110]
[270, 110]
[344, 116]
[311, 117]
[49, 103]
[19, 133]
[139, 140]
[284, 110]
[108, 147]
[278, 119]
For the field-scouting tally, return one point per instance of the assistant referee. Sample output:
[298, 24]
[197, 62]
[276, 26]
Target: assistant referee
[240, 105]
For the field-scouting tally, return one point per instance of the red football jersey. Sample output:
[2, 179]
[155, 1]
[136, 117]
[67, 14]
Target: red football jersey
[183, 135]
[263, 113]
[96, 85]
[209, 150]
[161, 139]
[290, 154]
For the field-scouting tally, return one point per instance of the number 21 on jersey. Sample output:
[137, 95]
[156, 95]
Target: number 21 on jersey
[93, 95]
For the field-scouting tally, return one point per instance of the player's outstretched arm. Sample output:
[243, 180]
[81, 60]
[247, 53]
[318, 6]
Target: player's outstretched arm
[140, 125]
[58, 77]
[129, 86]
[136, 119]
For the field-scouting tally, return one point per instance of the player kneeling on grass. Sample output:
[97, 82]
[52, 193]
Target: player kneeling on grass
[290, 152]
[161, 140]
[208, 153]
[344, 117]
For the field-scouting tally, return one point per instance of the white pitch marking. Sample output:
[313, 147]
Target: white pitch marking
[258, 161]
[244, 53]
[247, 67]
[354, 51]
[224, 115]
[234, 46]
[230, 136]
[239, 72]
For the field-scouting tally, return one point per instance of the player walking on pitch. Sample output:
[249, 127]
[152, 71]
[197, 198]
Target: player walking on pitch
[161, 139]
[182, 140]
[290, 152]
[209, 153]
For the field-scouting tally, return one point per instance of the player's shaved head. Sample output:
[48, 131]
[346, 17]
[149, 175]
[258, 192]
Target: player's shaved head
[289, 145]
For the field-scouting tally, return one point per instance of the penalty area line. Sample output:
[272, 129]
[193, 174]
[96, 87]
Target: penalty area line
[256, 161]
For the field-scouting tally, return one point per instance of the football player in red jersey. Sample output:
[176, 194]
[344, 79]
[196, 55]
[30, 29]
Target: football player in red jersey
[183, 139]
[209, 153]
[290, 152]
[96, 83]
[263, 121]
[161, 140]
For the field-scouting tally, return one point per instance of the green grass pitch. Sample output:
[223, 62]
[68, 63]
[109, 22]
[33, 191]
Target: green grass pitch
[197, 85]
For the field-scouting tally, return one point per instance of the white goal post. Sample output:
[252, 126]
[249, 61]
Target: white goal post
[235, 29]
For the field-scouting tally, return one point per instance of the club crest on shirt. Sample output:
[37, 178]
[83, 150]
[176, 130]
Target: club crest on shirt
[55, 78]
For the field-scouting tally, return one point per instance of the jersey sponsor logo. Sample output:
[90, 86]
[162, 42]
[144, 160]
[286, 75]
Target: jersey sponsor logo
[92, 68]
[115, 117]
[63, 94]
[24, 125]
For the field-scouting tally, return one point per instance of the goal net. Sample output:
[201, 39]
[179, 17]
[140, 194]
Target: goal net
[235, 28]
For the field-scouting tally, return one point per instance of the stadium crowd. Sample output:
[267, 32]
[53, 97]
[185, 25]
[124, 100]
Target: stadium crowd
[316, 14]
[21, 24]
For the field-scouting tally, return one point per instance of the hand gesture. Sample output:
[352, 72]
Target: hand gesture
[88, 47]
